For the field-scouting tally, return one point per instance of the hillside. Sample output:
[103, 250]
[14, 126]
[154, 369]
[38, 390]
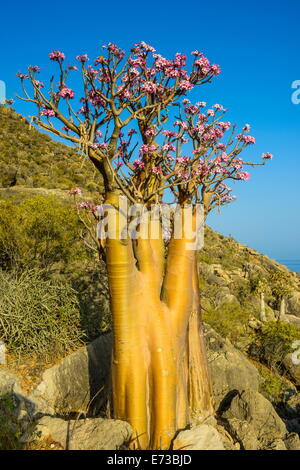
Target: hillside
[32, 159]
[54, 298]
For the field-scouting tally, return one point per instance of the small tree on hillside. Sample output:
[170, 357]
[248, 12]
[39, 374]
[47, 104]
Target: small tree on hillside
[259, 285]
[159, 368]
[281, 289]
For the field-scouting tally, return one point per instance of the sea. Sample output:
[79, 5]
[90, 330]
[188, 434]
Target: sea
[292, 264]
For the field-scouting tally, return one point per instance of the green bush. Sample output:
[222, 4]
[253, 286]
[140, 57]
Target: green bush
[229, 320]
[37, 316]
[37, 233]
[10, 427]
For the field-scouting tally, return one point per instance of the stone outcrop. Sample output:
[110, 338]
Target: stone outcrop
[83, 434]
[253, 421]
[230, 370]
[201, 437]
[79, 381]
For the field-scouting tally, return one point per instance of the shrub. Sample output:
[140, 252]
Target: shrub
[229, 320]
[38, 316]
[273, 342]
[10, 427]
[37, 233]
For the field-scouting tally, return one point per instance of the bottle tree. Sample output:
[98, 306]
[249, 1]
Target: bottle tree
[281, 289]
[153, 148]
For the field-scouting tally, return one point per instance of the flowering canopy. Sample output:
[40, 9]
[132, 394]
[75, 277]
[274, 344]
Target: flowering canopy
[121, 124]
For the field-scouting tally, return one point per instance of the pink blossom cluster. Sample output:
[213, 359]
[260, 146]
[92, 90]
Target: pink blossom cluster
[267, 156]
[95, 98]
[22, 76]
[243, 175]
[147, 149]
[246, 139]
[82, 58]
[47, 112]
[138, 164]
[66, 93]
[75, 191]
[57, 55]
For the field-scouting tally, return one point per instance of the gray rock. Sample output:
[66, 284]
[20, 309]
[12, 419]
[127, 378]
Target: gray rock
[293, 304]
[85, 434]
[243, 432]
[201, 437]
[292, 368]
[230, 370]
[79, 381]
[8, 381]
[253, 408]
[277, 444]
[291, 319]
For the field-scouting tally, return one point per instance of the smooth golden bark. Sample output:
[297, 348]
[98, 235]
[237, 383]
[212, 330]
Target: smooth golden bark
[159, 369]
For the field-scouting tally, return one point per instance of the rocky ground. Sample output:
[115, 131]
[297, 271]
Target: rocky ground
[62, 402]
[67, 409]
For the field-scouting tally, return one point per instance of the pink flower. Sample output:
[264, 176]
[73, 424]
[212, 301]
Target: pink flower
[221, 146]
[150, 132]
[146, 47]
[215, 69]
[168, 148]
[66, 93]
[131, 132]
[96, 99]
[138, 164]
[219, 107]
[22, 75]
[267, 156]
[47, 112]
[156, 170]
[57, 55]
[191, 109]
[82, 58]
[34, 68]
[115, 50]
[150, 87]
[246, 128]
[85, 205]
[243, 175]
[224, 125]
[170, 133]
[247, 139]
[185, 85]
[147, 149]
[182, 160]
[76, 191]
[38, 84]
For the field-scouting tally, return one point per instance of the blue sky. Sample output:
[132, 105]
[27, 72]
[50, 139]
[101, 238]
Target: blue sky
[257, 45]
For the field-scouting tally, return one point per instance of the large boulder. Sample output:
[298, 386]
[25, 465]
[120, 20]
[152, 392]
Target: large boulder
[291, 319]
[253, 421]
[201, 437]
[78, 382]
[230, 370]
[83, 434]
[8, 381]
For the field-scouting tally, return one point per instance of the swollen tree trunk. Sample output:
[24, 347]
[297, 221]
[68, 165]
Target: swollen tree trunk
[159, 369]
[262, 307]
